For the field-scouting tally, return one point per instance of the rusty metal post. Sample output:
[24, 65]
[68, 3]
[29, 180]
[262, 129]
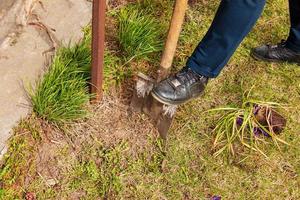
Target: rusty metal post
[98, 39]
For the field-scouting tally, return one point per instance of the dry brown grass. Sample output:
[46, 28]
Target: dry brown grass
[113, 123]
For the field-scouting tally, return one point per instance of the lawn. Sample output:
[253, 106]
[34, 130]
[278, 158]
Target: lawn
[68, 149]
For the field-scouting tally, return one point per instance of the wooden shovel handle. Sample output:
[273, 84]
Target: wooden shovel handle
[174, 33]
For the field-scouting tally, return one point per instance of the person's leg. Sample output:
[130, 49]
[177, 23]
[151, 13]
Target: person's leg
[285, 51]
[233, 21]
[293, 41]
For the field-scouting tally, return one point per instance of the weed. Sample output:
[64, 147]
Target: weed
[242, 124]
[100, 176]
[19, 161]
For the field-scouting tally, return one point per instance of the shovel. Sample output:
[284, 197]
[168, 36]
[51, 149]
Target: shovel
[142, 100]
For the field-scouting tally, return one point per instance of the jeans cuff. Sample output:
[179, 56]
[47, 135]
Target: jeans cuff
[201, 70]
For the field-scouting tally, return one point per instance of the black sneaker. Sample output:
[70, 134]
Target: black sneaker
[276, 53]
[180, 88]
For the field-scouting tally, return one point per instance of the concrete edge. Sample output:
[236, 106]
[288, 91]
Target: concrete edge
[14, 20]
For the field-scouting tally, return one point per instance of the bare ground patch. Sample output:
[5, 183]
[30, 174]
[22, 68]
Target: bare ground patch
[112, 122]
[52, 155]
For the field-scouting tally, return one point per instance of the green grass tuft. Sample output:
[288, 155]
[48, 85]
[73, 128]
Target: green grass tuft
[62, 94]
[139, 33]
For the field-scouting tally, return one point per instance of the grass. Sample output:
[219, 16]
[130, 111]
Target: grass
[99, 157]
[19, 161]
[62, 94]
[115, 73]
[100, 176]
[139, 33]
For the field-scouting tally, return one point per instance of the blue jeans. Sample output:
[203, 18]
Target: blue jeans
[233, 21]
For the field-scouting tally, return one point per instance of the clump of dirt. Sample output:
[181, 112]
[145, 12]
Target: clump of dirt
[270, 119]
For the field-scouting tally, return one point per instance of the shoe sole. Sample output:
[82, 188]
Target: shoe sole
[260, 58]
[166, 101]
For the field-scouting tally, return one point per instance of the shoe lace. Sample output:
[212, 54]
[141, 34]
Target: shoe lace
[281, 44]
[187, 76]
[279, 49]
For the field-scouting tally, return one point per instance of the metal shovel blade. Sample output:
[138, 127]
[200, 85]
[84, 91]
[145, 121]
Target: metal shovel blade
[142, 99]
[143, 102]
[141, 94]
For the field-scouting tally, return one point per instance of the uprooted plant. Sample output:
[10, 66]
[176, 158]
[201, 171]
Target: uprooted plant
[249, 124]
